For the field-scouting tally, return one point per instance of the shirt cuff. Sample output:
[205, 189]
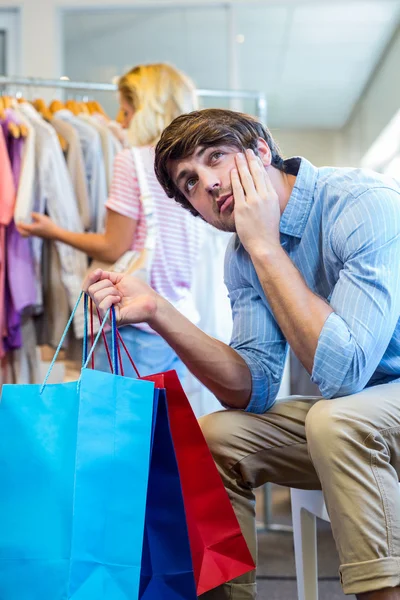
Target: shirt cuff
[259, 401]
[335, 351]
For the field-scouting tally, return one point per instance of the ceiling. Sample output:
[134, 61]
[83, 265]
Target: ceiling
[312, 58]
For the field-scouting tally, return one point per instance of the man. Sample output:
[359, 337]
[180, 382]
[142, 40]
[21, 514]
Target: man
[314, 265]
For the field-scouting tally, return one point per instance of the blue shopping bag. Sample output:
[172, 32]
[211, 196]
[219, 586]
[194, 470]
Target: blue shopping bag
[167, 569]
[74, 465]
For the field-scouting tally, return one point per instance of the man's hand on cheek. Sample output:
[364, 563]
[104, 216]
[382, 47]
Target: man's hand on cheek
[257, 210]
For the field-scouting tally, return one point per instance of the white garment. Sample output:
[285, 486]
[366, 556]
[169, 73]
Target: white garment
[55, 194]
[94, 163]
[212, 302]
[25, 194]
[109, 143]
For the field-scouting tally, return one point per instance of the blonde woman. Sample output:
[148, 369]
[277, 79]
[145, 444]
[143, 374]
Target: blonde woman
[150, 97]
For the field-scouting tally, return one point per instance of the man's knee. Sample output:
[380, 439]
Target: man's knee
[326, 427]
[221, 429]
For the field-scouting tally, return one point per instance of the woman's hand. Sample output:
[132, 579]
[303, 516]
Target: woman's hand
[133, 299]
[41, 226]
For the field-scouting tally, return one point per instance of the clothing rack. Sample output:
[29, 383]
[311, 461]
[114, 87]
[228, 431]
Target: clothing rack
[258, 97]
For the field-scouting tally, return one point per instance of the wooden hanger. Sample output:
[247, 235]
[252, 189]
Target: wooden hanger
[14, 130]
[42, 108]
[23, 130]
[7, 101]
[56, 105]
[73, 106]
[84, 108]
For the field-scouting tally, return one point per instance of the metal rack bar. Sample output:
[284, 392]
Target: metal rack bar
[258, 97]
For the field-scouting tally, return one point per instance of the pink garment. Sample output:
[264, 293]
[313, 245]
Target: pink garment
[7, 188]
[7, 202]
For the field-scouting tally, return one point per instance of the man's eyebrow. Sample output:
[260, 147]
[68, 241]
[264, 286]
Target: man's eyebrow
[185, 172]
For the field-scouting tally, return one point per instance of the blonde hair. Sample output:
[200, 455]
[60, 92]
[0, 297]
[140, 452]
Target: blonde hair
[158, 93]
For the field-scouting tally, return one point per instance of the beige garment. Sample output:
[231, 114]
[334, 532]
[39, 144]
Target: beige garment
[25, 363]
[76, 168]
[348, 446]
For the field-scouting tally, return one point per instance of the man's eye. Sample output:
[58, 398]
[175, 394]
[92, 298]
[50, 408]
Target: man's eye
[190, 184]
[216, 155]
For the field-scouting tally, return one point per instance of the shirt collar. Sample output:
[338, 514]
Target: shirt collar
[295, 215]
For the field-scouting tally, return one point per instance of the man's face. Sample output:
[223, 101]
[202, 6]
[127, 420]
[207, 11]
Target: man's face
[205, 180]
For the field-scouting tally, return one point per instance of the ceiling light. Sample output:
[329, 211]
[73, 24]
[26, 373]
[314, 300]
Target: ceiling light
[240, 38]
[64, 78]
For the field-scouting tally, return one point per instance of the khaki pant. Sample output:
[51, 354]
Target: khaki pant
[349, 447]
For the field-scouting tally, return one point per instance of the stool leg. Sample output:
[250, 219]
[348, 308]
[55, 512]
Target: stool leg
[305, 552]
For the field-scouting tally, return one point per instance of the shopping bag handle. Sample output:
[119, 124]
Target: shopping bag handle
[117, 337]
[68, 325]
[113, 367]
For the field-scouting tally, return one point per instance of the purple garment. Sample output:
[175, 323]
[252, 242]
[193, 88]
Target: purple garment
[20, 290]
[20, 270]
[13, 339]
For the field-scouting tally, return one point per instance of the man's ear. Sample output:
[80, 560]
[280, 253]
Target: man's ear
[264, 152]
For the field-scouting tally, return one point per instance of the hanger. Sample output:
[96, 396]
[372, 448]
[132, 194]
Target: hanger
[7, 100]
[2, 108]
[84, 108]
[73, 106]
[42, 108]
[56, 105]
[14, 130]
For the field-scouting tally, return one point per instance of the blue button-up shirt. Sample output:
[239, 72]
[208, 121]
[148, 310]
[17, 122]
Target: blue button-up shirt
[341, 229]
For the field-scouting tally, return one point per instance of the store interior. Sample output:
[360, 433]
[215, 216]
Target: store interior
[322, 74]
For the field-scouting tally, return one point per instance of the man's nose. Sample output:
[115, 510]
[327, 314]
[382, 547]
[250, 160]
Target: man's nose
[210, 180]
[213, 187]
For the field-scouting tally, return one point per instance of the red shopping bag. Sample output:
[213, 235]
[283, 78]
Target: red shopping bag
[219, 550]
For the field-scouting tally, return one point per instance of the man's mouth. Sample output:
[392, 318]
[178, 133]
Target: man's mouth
[224, 202]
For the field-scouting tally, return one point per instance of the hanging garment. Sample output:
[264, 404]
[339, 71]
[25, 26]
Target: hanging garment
[106, 137]
[76, 167]
[7, 202]
[54, 194]
[212, 302]
[94, 163]
[26, 186]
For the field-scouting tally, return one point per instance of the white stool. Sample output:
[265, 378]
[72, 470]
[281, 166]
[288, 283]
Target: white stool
[307, 505]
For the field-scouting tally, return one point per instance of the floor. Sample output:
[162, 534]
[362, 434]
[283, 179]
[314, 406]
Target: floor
[276, 568]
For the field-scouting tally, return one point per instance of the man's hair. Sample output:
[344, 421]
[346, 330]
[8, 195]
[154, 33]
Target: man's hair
[205, 128]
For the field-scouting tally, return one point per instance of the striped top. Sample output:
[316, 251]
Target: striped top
[341, 229]
[178, 232]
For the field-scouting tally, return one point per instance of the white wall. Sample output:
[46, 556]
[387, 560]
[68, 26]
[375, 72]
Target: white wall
[376, 107]
[321, 146]
[40, 22]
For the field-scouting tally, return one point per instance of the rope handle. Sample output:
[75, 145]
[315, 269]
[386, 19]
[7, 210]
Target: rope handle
[118, 342]
[85, 357]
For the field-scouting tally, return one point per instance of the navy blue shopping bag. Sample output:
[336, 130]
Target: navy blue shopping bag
[74, 467]
[167, 569]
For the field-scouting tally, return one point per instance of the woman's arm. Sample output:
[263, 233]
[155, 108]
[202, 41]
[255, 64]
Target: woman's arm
[107, 246]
